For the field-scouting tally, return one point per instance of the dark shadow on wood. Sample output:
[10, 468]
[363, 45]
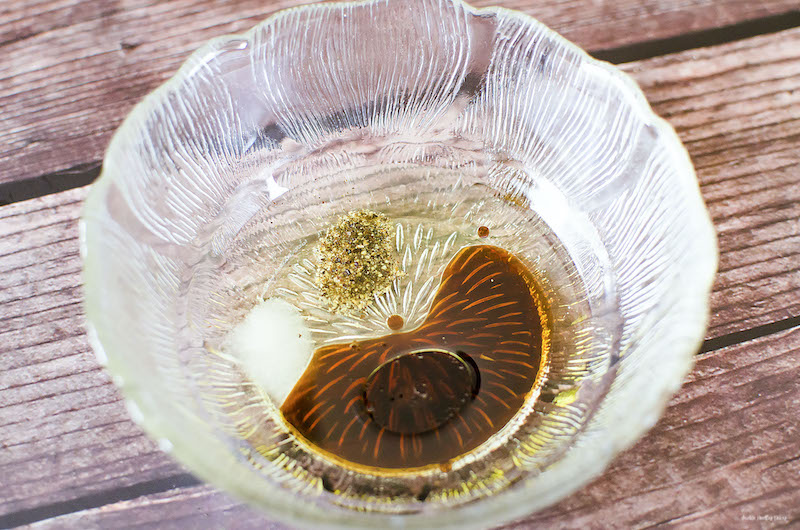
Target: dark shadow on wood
[63, 180]
[699, 39]
[738, 337]
[96, 500]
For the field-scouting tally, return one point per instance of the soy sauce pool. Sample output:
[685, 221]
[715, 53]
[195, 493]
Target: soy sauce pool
[429, 395]
[430, 227]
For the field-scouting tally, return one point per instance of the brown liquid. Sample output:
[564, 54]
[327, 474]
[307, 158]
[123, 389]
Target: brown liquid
[426, 396]
[394, 322]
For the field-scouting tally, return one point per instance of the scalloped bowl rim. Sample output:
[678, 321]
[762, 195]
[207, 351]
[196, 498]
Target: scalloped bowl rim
[501, 507]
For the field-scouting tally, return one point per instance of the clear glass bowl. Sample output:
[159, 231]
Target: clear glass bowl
[216, 188]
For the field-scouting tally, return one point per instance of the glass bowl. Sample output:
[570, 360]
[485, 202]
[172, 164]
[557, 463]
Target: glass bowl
[462, 129]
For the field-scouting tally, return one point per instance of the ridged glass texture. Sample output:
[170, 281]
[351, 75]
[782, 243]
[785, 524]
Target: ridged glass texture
[216, 186]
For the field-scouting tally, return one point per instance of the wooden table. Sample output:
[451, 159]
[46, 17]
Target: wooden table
[725, 73]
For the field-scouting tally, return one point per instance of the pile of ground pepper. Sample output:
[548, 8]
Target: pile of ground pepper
[355, 261]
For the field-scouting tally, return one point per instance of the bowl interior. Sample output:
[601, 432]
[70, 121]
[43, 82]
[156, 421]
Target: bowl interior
[217, 187]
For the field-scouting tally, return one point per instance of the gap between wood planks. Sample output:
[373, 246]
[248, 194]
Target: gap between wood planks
[96, 500]
[86, 173]
[699, 39]
[717, 343]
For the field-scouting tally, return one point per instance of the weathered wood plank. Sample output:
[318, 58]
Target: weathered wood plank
[64, 426]
[70, 71]
[748, 172]
[726, 454]
[178, 509]
[737, 110]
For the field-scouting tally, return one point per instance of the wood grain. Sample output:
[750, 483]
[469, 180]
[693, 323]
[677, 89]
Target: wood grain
[70, 71]
[63, 425]
[737, 110]
[195, 507]
[726, 454]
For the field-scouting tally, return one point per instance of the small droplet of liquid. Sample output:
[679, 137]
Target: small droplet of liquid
[394, 322]
[483, 231]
